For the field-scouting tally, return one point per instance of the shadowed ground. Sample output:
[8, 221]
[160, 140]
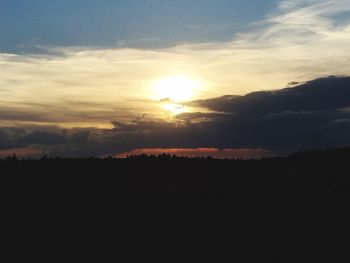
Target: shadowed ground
[176, 209]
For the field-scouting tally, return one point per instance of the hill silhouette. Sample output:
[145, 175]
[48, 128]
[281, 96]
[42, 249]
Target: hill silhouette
[172, 209]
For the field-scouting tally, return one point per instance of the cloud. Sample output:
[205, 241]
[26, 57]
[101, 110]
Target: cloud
[312, 115]
[9, 138]
[33, 140]
[315, 114]
[318, 95]
[88, 86]
[55, 138]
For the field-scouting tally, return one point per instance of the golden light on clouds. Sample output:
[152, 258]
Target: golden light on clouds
[177, 88]
[171, 91]
[93, 86]
[174, 108]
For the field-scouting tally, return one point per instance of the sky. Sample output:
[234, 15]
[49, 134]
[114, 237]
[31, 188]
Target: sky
[106, 77]
[132, 23]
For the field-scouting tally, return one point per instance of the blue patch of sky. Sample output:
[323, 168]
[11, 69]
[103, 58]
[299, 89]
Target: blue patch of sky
[25, 24]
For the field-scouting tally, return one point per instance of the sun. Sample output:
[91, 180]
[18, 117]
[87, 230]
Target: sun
[176, 88]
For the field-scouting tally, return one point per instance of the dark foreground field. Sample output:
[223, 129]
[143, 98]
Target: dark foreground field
[177, 210]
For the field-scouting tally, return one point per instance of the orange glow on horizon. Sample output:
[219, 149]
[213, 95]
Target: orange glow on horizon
[201, 152]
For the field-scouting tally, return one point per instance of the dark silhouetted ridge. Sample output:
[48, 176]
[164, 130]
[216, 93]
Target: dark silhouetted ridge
[171, 209]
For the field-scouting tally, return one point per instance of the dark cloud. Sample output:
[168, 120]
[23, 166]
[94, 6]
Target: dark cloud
[55, 138]
[312, 115]
[318, 95]
[14, 138]
[9, 138]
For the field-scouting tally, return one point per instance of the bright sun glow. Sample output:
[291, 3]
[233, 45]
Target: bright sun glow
[175, 108]
[176, 88]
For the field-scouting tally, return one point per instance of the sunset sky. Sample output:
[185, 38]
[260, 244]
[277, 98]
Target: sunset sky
[105, 77]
